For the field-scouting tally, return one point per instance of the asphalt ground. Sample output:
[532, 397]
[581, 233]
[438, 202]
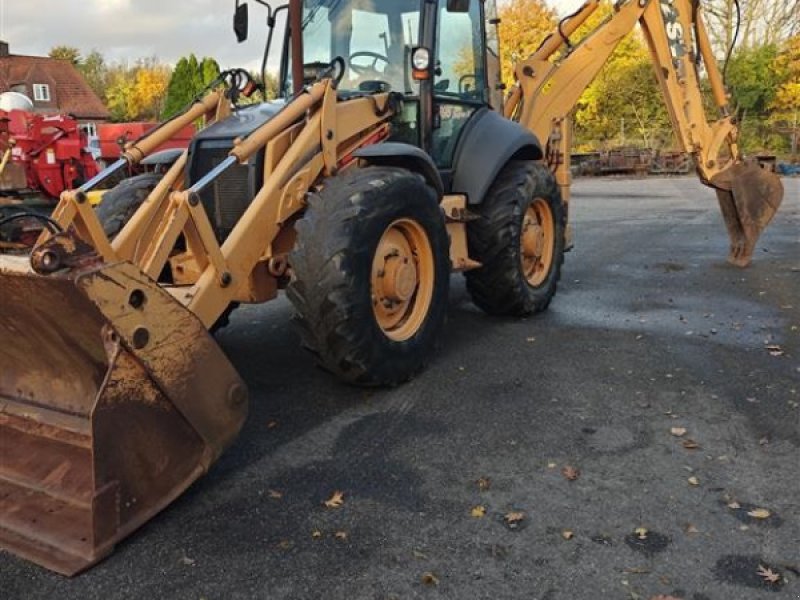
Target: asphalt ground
[651, 333]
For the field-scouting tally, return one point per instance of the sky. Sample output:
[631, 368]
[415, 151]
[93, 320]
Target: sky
[125, 30]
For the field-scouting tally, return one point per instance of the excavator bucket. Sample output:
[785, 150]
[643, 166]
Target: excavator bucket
[113, 400]
[749, 196]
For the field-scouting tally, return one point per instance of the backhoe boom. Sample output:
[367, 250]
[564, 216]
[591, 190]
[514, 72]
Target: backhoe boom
[550, 84]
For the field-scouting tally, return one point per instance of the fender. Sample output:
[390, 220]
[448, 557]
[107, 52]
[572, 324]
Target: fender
[487, 143]
[397, 154]
[163, 157]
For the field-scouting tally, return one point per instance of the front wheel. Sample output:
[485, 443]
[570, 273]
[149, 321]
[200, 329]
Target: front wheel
[519, 240]
[371, 271]
[121, 202]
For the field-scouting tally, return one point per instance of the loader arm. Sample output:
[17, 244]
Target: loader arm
[549, 86]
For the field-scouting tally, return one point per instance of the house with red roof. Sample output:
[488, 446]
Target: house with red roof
[54, 86]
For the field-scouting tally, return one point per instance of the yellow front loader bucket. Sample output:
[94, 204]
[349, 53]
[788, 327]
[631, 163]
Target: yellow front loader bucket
[113, 400]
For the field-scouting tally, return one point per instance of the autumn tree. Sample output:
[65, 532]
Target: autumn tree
[523, 26]
[785, 106]
[69, 53]
[137, 93]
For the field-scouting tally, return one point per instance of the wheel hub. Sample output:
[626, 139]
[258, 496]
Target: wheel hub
[400, 278]
[402, 286]
[533, 238]
[537, 242]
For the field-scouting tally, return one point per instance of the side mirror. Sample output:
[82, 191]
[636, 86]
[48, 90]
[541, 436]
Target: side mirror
[458, 6]
[241, 21]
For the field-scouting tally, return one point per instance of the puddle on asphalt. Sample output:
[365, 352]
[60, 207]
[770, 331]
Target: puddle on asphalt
[747, 571]
[649, 544]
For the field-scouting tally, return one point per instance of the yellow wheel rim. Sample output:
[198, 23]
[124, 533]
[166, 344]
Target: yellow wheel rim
[402, 280]
[537, 242]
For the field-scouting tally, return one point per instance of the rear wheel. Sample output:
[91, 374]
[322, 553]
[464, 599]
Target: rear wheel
[371, 275]
[519, 239]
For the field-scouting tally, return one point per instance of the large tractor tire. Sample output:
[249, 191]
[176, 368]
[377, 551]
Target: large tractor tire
[371, 275]
[519, 239]
[121, 202]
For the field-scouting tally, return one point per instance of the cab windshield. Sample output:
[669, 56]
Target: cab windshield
[374, 37]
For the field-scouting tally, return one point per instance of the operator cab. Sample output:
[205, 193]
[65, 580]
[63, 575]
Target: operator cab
[440, 55]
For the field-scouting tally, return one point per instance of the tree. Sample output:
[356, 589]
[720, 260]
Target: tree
[785, 105]
[761, 22]
[752, 79]
[69, 53]
[523, 26]
[137, 93]
[148, 94]
[188, 80]
[624, 103]
[95, 72]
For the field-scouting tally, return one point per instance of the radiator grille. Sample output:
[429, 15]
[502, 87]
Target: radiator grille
[227, 199]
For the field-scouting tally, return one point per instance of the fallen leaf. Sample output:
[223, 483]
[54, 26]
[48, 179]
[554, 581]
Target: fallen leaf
[641, 533]
[419, 555]
[768, 574]
[275, 494]
[430, 579]
[484, 483]
[341, 536]
[678, 431]
[316, 534]
[479, 512]
[514, 518]
[734, 505]
[764, 441]
[693, 480]
[637, 570]
[570, 473]
[690, 444]
[285, 544]
[335, 501]
[759, 513]
[691, 529]
[568, 534]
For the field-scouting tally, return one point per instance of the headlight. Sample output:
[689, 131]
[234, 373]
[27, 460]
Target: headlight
[421, 59]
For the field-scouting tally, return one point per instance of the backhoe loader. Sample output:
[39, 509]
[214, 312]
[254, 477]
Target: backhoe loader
[390, 161]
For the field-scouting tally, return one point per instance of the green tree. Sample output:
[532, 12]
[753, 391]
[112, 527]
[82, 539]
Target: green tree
[188, 80]
[69, 53]
[95, 72]
[752, 78]
[179, 89]
[209, 71]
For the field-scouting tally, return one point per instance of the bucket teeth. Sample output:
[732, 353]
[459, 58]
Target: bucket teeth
[108, 411]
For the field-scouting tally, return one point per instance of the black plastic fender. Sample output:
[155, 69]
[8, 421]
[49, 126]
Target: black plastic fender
[487, 143]
[162, 158]
[397, 154]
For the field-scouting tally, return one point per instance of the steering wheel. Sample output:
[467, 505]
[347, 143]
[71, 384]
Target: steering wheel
[367, 69]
